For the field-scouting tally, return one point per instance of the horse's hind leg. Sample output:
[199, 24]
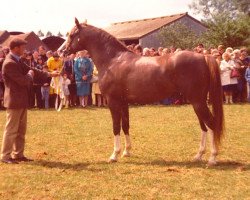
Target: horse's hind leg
[202, 149]
[125, 128]
[115, 109]
[206, 116]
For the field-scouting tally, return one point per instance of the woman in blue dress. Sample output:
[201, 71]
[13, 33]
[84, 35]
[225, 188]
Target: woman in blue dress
[83, 69]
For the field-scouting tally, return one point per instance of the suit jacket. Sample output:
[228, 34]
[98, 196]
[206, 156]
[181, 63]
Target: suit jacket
[17, 82]
[68, 67]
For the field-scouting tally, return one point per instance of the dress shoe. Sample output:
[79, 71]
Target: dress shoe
[23, 159]
[9, 161]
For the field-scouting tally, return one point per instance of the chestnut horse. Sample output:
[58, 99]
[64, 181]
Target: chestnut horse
[125, 77]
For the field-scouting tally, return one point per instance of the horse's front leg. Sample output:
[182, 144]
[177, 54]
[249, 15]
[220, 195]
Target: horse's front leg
[125, 128]
[115, 110]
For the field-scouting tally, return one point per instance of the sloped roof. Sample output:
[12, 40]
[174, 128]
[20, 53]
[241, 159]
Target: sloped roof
[33, 41]
[138, 28]
[4, 35]
[53, 42]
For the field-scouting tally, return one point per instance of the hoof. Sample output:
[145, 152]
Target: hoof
[197, 158]
[111, 160]
[126, 154]
[211, 163]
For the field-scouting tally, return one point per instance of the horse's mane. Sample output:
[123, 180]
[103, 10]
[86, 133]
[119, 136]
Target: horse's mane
[110, 40]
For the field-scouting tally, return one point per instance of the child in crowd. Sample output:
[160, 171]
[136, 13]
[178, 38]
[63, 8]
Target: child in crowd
[45, 89]
[65, 82]
[61, 86]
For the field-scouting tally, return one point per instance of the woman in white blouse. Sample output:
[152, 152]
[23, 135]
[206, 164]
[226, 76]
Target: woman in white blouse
[229, 84]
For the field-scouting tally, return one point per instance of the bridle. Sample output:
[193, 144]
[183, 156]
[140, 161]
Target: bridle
[72, 37]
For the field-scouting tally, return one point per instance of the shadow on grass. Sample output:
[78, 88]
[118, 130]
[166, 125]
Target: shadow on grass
[221, 165]
[68, 166]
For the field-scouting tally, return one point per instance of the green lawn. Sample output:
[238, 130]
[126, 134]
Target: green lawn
[71, 149]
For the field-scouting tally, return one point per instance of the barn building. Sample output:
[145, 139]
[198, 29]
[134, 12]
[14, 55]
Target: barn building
[145, 31]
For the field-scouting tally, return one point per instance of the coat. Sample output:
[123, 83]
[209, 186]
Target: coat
[226, 68]
[17, 82]
[82, 67]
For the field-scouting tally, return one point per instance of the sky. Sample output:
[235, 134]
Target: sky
[58, 15]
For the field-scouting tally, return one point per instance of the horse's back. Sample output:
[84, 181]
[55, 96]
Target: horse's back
[192, 73]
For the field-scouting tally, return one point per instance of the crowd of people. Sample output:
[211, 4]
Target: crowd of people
[73, 88]
[234, 67]
[76, 88]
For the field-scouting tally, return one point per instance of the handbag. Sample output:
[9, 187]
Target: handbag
[234, 73]
[94, 79]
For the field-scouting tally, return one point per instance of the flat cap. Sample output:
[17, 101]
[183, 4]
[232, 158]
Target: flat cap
[16, 42]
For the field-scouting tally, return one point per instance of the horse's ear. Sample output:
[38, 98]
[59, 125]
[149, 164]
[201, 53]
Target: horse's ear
[77, 23]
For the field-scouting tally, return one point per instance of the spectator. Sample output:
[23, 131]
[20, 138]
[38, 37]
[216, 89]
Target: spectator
[215, 53]
[97, 96]
[35, 56]
[36, 95]
[239, 94]
[229, 84]
[68, 68]
[42, 54]
[160, 51]
[49, 54]
[83, 71]
[245, 59]
[229, 50]
[247, 77]
[2, 56]
[146, 52]
[200, 48]
[138, 49]
[28, 59]
[54, 63]
[221, 49]
[166, 51]
[152, 52]
[45, 89]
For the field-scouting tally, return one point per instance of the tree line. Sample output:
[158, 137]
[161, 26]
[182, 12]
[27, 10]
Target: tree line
[227, 22]
[49, 33]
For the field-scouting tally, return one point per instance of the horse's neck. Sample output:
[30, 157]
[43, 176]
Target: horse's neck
[103, 51]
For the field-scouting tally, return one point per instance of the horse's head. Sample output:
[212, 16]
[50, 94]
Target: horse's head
[75, 40]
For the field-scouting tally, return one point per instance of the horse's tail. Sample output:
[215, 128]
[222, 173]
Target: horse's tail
[216, 98]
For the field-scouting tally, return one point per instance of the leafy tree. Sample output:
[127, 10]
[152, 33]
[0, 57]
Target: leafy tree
[178, 35]
[227, 21]
[211, 8]
[48, 34]
[226, 31]
[59, 34]
[40, 33]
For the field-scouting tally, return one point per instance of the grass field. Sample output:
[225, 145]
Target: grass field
[71, 149]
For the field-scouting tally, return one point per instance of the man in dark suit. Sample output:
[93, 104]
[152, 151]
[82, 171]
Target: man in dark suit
[18, 79]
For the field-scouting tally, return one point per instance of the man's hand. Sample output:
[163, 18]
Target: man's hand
[54, 74]
[84, 77]
[31, 73]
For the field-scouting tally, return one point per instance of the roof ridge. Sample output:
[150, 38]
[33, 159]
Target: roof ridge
[147, 19]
